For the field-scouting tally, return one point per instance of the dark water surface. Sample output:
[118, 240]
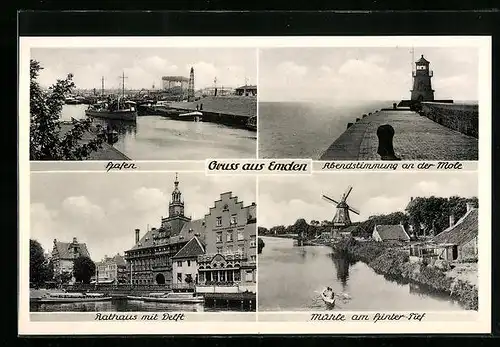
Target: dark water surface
[161, 138]
[122, 305]
[291, 278]
[306, 130]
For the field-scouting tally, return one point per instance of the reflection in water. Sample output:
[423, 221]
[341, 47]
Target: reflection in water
[121, 127]
[292, 278]
[123, 305]
[161, 138]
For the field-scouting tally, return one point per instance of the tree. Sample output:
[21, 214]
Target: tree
[262, 231]
[39, 266]
[260, 245]
[46, 139]
[83, 269]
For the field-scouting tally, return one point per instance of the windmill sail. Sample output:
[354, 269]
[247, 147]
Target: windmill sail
[330, 199]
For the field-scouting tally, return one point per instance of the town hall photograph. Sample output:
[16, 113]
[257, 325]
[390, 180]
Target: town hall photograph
[142, 242]
[369, 241]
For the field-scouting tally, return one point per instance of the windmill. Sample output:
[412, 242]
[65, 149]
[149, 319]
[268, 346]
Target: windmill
[341, 219]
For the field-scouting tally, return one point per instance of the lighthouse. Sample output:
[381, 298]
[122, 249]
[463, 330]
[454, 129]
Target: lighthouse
[422, 88]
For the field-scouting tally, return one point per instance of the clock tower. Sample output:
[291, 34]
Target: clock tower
[176, 217]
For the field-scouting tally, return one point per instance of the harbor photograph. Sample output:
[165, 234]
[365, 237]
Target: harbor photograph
[142, 242]
[368, 242]
[143, 103]
[369, 103]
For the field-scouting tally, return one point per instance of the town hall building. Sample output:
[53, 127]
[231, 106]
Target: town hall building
[220, 248]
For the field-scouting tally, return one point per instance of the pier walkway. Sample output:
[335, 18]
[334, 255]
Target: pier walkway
[416, 138]
[107, 152]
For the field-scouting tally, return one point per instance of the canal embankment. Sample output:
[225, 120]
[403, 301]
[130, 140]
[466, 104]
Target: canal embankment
[391, 260]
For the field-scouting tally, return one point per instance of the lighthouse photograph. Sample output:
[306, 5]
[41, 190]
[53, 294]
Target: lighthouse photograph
[369, 241]
[141, 103]
[369, 103]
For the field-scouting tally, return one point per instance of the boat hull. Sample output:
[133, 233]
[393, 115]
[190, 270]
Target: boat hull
[327, 300]
[69, 300]
[118, 115]
[193, 300]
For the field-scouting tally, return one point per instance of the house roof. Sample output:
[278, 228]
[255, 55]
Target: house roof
[191, 249]
[392, 232]
[189, 229]
[246, 87]
[463, 231]
[64, 249]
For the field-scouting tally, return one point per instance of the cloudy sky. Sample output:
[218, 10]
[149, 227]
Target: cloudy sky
[103, 210]
[290, 198]
[341, 74]
[146, 66]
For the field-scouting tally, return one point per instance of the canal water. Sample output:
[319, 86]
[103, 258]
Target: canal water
[291, 278]
[161, 138]
[123, 305]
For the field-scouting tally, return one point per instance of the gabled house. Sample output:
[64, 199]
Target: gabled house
[64, 254]
[459, 240]
[184, 265]
[383, 233]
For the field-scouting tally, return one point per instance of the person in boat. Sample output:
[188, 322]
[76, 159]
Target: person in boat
[329, 293]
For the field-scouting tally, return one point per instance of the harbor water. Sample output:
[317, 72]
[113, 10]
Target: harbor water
[306, 129]
[161, 138]
[124, 305]
[291, 278]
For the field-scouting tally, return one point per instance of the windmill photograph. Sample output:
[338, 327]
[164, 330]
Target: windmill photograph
[341, 220]
[366, 241]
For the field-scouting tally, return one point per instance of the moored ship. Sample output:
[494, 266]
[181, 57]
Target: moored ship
[118, 109]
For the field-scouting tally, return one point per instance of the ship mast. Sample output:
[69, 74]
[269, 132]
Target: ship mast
[102, 86]
[123, 77]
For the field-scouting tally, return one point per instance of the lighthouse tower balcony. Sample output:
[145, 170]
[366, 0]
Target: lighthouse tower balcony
[414, 73]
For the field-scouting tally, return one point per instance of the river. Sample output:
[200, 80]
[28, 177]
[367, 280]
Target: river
[291, 278]
[161, 138]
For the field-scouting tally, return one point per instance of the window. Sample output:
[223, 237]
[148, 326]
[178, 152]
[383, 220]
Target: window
[229, 236]
[252, 241]
[234, 219]
[218, 237]
[219, 250]
[240, 248]
[248, 276]
[179, 263]
[189, 262]
[218, 222]
[241, 235]
[179, 277]
[230, 249]
[252, 257]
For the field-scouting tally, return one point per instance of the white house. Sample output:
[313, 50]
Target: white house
[184, 265]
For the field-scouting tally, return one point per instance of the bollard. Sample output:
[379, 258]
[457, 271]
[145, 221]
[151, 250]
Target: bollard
[369, 113]
[364, 115]
[385, 134]
[357, 119]
[394, 105]
[349, 125]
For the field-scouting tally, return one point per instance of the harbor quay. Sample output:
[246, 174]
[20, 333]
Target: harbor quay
[106, 152]
[227, 110]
